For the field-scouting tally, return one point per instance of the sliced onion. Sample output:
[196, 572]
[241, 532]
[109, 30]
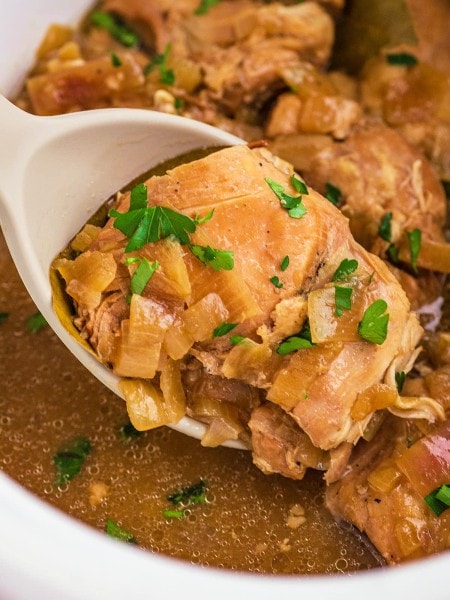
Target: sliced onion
[251, 362]
[427, 463]
[375, 397]
[434, 256]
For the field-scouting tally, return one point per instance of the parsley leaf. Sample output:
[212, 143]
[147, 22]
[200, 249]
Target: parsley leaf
[36, 322]
[393, 254]
[3, 317]
[143, 273]
[212, 257]
[292, 204]
[333, 194]
[204, 6]
[187, 496]
[297, 342]
[384, 230]
[284, 263]
[342, 299]
[143, 224]
[159, 61]
[115, 60]
[373, 326]
[223, 329]
[200, 220]
[400, 377]
[346, 268]
[276, 282]
[70, 458]
[299, 185]
[439, 499]
[119, 31]
[114, 530]
[415, 242]
[128, 433]
[292, 344]
[401, 59]
[236, 339]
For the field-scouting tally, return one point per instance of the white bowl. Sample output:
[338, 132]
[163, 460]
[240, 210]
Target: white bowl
[45, 554]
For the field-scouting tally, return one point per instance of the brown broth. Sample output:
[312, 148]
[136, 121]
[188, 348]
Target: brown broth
[47, 397]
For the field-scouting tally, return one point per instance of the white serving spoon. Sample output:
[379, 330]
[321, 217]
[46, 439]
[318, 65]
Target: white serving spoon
[55, 172]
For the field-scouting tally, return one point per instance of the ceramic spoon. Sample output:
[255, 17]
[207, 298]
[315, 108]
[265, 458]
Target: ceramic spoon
[56, 171]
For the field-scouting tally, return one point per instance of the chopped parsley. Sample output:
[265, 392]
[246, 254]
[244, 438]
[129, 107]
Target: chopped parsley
[200, 220]
[333, 194]
[393, 254]
[374, 324]
[284, 263]
[401, 59]
[219, 260]
[123, 34]
[223, 329]
[297, 342]
[276, 281]
[128, 433]
[3, 317]
[143, 224]
[115, 60]
[159, 61]
[143, 273]
[187, 496]
[204, 6]
[400, 377]
[439, 499]
[36, 322]
[415, 242]
[342, 299]
[70, 458]
[384, 230]
[236, 339]
[345, 269]
[114, 530]
[293, 204]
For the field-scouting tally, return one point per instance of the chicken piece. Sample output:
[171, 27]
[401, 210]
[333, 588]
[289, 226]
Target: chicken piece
[319, 387]
[383, 499]
[379, 173]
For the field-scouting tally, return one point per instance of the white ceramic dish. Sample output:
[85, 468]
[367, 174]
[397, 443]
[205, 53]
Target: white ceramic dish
[47, 555]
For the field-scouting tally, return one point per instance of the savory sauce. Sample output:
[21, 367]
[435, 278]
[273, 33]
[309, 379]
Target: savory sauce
[249, 521]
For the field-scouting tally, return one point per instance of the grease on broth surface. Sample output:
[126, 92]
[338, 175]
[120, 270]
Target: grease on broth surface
[47, 397]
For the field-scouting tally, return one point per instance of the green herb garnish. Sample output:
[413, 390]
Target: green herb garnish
[115, 60]
[333, 194]
[345, 269]
[236, 339]
[187, 496]
[402, 59]
[36, 322]
[439, 499]
[70, 458]
[143, 224]
[159, 61]
[223, 329]
[415, 241]
[293, 205]
[384, 230]
[219, 260]
[297, 342]
[200, 220]
[374, 324]
[284, 263]
[276, 282]
[114, 530]
[119, 31]
[128, 433]
[393, 254]
[400, 377]
[342, 299]
[3, 317]
[143, 273]
[204, 6]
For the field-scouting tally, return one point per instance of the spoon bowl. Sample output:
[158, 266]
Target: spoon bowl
[55, 172]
